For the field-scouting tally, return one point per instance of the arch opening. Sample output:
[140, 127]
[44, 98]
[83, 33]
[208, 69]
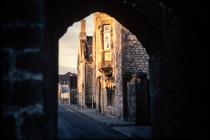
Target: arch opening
[150, 28]
[168, 30]
[112, 72]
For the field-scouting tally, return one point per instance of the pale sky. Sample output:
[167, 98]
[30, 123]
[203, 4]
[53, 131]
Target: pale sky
[68, 46]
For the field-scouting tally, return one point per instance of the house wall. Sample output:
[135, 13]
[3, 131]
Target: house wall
[88, 84]
[81, 81]
[128, 56]
[135, 61]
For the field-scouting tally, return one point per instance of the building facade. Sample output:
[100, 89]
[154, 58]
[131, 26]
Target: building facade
[116, 63]
[68, 79]
[84, 68]
[112, 66]
[63, 79]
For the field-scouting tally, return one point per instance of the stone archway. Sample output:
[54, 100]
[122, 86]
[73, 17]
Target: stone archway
[149, 21]
[171, 32]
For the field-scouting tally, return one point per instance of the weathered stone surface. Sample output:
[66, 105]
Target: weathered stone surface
[25, 90]
[26, 37]
[85, 68]
[23, 61]
[32, 125]
[10, 127]
[127, 56]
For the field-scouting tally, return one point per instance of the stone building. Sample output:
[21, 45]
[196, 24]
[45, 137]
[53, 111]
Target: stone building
[64, 79]
[69, 79]
[84, 68]
[117, 56]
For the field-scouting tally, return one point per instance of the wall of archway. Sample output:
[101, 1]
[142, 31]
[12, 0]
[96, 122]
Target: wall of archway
[29, 60]
[154, 24]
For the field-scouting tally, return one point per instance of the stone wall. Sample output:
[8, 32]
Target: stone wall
[116, 109]
[73, 96]
[135, 57]
[135, 60]
[94, 78]
[117, 69]
[81, 83]
[88, 84]
[131, 100]
[23, 104]
[126, 49]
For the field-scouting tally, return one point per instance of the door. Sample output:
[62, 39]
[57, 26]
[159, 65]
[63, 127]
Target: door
[142, 104]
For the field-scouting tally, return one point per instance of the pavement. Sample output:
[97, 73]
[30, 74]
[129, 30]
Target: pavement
[128, 129]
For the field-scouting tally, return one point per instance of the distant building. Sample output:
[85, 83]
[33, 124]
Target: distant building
[63, 79]
[64, 94]
[70, 80]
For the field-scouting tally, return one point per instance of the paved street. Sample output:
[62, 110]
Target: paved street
[72, 125]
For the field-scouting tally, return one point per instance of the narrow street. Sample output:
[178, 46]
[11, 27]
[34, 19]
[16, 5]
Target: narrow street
[72, 125]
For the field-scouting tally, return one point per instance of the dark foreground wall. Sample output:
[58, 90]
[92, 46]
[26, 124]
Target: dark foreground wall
[173, 34]
[24, 107]
[29, 75]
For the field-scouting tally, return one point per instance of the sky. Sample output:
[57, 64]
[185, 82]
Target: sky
[69, 43]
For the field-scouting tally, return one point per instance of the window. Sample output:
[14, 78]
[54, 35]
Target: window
[107, 56]
[107, 41]
[106, 34]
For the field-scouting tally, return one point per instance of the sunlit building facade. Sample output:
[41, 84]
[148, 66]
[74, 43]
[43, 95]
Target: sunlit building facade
[118, 57]
[84, 68]
[111, 64]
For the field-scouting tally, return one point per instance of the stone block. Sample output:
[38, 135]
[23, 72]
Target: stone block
[7, 94]
[30, 61]
[23, 10]
[5, 62]
[27, 92]
[8, 127]
[22, 38]
[32, 126]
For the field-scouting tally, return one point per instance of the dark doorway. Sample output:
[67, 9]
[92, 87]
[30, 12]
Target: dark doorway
[142, 102]
[125, 101]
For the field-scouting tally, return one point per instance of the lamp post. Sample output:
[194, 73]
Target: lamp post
[70, 85]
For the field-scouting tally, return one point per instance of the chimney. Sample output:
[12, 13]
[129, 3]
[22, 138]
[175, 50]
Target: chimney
[83, 30]
[83, 24]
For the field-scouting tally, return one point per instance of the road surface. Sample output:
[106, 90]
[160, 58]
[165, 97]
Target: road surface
[73, 125]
